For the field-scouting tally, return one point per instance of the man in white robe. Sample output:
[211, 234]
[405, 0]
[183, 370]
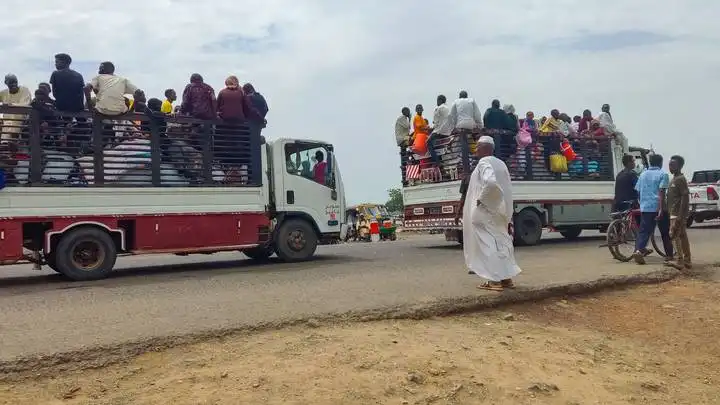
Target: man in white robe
[487, 221]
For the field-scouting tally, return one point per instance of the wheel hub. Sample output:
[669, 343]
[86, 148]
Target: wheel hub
[87, 255]
[296, 240]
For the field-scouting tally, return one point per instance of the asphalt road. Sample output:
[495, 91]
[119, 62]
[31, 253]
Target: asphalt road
[153, 296]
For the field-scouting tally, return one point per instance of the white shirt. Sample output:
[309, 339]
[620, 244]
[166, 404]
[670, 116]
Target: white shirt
[606, 121]
[111, 91]
[441, 120]
[465, 114]
[402, 129]
[22, 97]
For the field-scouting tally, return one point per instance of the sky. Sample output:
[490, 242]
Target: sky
[341, 71]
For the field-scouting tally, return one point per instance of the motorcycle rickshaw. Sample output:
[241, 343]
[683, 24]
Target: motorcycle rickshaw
[359, 217]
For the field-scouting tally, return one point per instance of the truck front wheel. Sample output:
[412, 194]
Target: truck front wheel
[85, 254]
[259, 253]
[296, 240]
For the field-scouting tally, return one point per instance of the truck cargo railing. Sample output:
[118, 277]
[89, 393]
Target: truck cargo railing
[53, 148]
[593, 160]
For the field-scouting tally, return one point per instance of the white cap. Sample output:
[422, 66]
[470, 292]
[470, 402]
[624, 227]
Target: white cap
[486, 140]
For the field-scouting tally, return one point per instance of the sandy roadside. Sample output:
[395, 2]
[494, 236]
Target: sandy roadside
[650, 344]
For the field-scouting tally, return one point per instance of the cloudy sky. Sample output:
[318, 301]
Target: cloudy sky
[340, 71]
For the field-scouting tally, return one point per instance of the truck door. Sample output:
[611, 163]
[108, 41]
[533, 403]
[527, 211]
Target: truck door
[309, 183]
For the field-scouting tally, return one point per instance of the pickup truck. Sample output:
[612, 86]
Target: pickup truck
[704, 196]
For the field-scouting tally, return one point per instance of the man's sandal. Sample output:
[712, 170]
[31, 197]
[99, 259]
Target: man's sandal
[491, 286]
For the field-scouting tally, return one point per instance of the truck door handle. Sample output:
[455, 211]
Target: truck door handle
[290, 197]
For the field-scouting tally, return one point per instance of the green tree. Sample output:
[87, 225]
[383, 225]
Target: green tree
[394, 203]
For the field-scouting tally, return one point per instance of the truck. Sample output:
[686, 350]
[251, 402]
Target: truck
[704, 196]
[579, 199]
[81, 189]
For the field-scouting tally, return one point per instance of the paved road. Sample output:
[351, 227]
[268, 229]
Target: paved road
[42, 313]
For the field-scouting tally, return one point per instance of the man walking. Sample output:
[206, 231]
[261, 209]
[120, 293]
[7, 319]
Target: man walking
[651, 187]
[487, 221]
[678, 202]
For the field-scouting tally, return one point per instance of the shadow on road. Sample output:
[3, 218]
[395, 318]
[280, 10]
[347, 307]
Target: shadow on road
[173, 272]
[543, 242]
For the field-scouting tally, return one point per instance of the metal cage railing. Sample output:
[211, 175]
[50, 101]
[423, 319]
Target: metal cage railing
[52, 148]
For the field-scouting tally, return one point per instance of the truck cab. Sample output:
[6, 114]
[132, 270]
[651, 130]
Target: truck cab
[304, 199]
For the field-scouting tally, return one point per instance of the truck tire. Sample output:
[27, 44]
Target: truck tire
[259, 253]
[51, 261]
[528, 228]
[690, 221]
[296, 241]
[571, 233]
[85, 254]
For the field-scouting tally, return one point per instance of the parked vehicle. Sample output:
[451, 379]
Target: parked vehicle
[360, 217]
[567, 201]
[704, 196]
[82, 189]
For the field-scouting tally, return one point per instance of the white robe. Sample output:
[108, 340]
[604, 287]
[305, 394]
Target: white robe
[487, 245]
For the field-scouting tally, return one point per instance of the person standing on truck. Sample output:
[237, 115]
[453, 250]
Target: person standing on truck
[420, 131]
[678, 202]
[198, 99]
[625, 193]
[651, 187]
[441, 127]
[402, 130]
[487, 225]
[464, 118]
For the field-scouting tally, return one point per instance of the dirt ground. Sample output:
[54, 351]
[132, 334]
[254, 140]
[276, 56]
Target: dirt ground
[647, 345]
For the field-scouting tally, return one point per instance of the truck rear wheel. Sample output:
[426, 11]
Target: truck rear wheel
[296, 240]
[690, 221]
[85, 254]
[528, 228]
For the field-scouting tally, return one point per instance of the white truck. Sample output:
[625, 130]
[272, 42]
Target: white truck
[704, 196]
[567, 203]
[152, 187]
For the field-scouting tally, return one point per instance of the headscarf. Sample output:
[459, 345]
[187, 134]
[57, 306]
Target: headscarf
[509, 108]
[232, 82]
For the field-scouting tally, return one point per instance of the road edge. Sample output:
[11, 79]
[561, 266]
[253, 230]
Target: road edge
[42, 365]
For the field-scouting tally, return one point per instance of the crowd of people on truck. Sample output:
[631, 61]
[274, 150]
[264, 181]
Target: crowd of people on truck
[553, 139]
[113, 96]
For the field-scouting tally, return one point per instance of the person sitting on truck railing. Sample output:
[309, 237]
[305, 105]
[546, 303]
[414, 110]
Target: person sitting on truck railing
[110, 90]
[402, 130]
[67, 85]
[421, 131]
[257, 103]
[167, 104]
[198, 99]
[495, 117]
[15, 94]
[585, 121]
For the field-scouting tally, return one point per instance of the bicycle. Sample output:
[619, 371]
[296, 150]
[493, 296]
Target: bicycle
[623, 231]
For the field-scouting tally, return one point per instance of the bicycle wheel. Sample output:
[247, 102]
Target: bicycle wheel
[621, 240]
[657, 243]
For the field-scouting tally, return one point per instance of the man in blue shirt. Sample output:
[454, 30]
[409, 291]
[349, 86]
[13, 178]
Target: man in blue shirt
[651, 187]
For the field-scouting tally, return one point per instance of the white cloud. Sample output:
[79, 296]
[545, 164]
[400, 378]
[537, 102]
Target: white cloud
[341, 71]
